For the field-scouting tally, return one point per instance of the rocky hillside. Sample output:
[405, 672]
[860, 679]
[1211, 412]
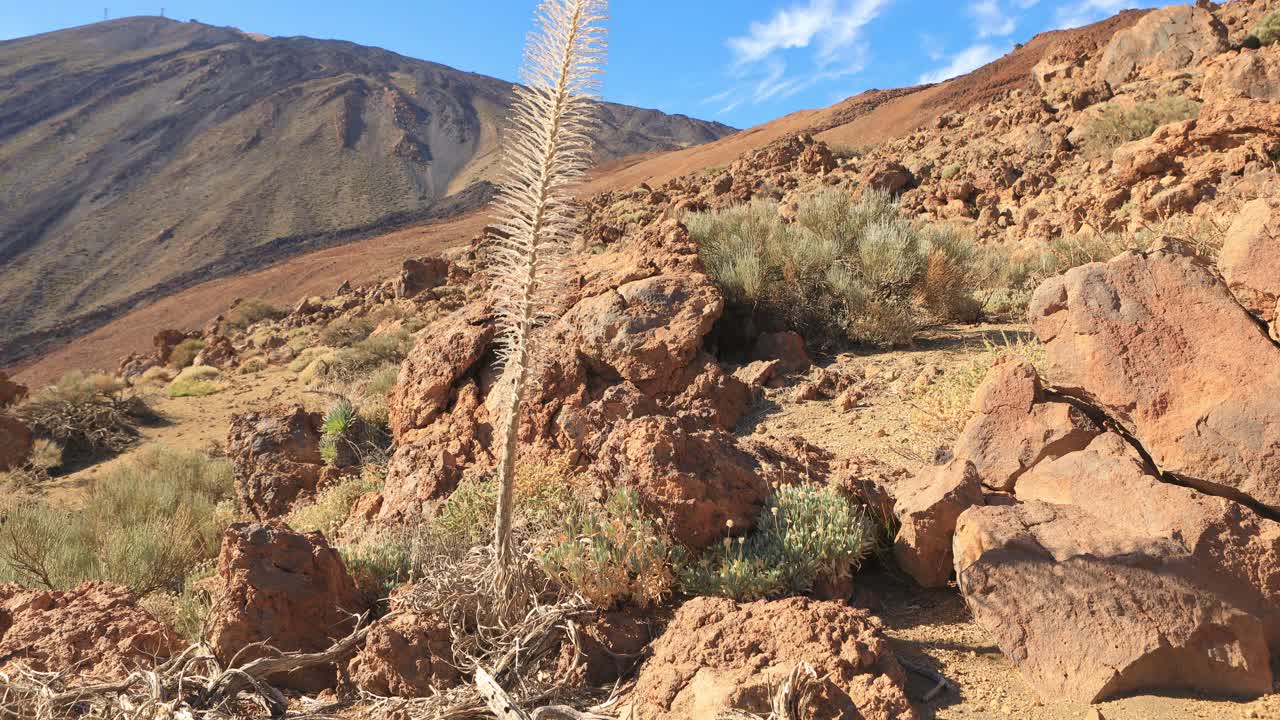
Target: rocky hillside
[156, 154]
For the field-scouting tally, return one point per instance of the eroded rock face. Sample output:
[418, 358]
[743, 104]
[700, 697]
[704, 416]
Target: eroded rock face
[928, 511]
[277, 460]
[407, 655]
[419, 275]
[97, 629]
[625, 387]
[1158, 343]
[1250, 258]
[1014, 426]
[717, 654]
[288, 589]
[1171, 38]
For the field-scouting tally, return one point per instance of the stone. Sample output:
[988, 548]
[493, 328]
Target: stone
[1157, 343]
[927, 512]
[417, 276]
[1170, 38]
[96, 630]
[16, 442]
[718, 655]
[438, 360]
[276, 455]
[11, 393]
[407, 655]
[889, 177]
[1014, 425]
[1250, 257]
[786, 347]
[285, 588]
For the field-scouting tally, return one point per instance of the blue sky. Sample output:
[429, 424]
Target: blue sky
[741, 62]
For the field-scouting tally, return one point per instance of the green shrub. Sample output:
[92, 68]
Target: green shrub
[338, 429]
[87, 414]
[951, 171]
[144, 524]
[344, 332]
[332, 506]
[373, 389]
[185, 352]
[612, 554]
[846, 271]
[1119, 124]
[1268, 30]
[806, 534]
[380, 563]
[255, 364]
[249, 311]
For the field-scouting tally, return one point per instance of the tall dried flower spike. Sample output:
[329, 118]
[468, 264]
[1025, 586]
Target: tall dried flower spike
[547, 151]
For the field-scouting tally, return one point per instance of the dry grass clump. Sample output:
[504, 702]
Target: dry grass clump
[196, 381]
[185, 352]
[943, 406]
[88, 415]
[343, 332]
[806, 535]
[248, 312]
[45, 457]
[1118, 124]
[144, 524]
[846, 271]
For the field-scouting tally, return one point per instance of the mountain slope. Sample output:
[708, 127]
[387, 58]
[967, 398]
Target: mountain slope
[143, 155]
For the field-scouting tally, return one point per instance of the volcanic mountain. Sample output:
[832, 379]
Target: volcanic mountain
[143, 155]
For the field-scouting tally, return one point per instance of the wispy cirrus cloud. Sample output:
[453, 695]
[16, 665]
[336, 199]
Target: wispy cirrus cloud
[991, 20]
[1083, 12]
[967, 60]
[824, 36]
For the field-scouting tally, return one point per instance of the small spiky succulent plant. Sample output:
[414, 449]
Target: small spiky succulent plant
[547, 151]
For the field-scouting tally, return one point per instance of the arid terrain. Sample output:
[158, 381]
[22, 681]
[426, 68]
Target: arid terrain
[959, 401]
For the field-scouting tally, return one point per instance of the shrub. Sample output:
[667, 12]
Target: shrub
[1268, 30]
[611, 553]
[196, 381]
[806, 534]
[950, 171]
[1119, 124]
[185, 352]
[332, 506]
[88, 415]
[367, 354]
[306, 357]
[372, 390]
[846, 271]
[344, 332]
[339, 428]
[255, 364]
[157, 374]
[380, 563]
[144, 524]
[247, 312]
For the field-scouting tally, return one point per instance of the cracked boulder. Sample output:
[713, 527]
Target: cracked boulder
[1171, 38]
[1250, 259]
[276, 454]
[1015, 425]
[1157, 342]
[927, 513]
[1104, 581]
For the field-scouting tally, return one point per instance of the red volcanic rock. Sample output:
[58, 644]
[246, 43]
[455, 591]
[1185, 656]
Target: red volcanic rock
[786, 347]
[96, 630]
[439, 359]
[928, 511]
[276, 454]
[718, 655]
[405, 655]
[419, 275]
[1171, 38]
[287, 589]
[11, 393]
[16, 442]
[1250, 258]
[1014, 426]
[1158, 343]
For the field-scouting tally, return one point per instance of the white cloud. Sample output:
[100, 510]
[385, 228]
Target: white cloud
[824, 35]
[932, 46]
[967, 60]
[1083, 12]
[991, 19]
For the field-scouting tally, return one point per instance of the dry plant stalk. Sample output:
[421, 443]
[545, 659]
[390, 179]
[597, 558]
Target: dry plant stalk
[547, 151]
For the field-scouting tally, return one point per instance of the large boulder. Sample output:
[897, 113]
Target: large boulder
[419, 275]
[1105, 580]
[927, 512]
[95, 630]
[1015, 425]
[440, 358]
[1157, 342]
[16, 442]
[276, 454]
[1171, 38]
[281, 590]
[1250, 257]
[718, 655]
